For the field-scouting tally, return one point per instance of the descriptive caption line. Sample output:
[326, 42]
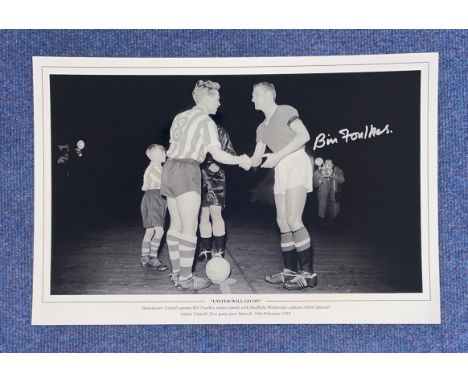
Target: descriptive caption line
[237, 307]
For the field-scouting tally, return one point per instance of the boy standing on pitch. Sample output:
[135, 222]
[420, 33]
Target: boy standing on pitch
[153, 209]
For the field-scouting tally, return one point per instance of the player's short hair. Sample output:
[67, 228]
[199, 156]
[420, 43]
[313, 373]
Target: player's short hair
[268, 87]
[155, 146]
[203, 88]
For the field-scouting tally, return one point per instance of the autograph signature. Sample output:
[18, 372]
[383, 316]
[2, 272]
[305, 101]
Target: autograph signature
[347, 136]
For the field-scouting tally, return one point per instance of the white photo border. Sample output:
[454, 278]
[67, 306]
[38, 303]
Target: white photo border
[368, 308]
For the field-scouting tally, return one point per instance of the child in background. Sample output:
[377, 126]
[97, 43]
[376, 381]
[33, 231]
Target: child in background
[153, 209]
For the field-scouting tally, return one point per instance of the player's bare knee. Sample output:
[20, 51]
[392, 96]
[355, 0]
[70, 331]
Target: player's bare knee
[149, 233]
[215, 212]
[190, 228]
[282, 224]
[294, 223]
[217, 219]
[176, 227]
[205, 215]
[158, 231]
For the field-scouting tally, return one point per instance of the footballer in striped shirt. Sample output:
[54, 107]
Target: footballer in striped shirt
[193, 134]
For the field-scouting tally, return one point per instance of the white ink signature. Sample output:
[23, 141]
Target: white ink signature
[369, 132]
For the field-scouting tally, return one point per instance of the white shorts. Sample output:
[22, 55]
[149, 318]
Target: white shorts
[293, 171]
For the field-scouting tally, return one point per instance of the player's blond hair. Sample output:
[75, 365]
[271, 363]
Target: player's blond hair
[267, 87]
[203, 88]
[154, 146]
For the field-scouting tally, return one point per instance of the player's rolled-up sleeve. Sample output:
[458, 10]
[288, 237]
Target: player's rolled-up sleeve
[292, 119]
[291, 115]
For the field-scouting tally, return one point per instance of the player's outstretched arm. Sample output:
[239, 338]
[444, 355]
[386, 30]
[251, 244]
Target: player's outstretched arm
[301, 138]
[223, 157]
[257, 155]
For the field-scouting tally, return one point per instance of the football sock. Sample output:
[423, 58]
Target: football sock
[145, 248]
[187, 246]
[207, 244]
[173, 246]
[304, 249]
[288, 251]
[301, 239]
[219, 244]
[306, 260]
[206, 241]
[156, 241]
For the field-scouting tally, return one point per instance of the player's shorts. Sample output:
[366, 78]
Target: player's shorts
[153, 209]
[180, 176]
[213, 188]
[293, 171]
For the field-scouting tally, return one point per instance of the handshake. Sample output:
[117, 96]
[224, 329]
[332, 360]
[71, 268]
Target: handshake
[245, 162]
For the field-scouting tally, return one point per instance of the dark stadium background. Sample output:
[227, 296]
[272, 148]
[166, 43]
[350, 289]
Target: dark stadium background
[119, 116]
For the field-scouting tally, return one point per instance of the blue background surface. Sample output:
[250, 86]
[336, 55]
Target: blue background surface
[16, 192]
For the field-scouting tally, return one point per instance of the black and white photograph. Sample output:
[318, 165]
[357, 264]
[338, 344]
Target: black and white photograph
[249, 190]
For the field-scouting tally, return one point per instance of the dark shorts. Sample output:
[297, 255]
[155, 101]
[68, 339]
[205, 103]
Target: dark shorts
[180, 176]
[153, 209]
[213, 188]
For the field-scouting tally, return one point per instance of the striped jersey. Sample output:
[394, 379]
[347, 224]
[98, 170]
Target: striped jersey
[152, 177]
[192, 132]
